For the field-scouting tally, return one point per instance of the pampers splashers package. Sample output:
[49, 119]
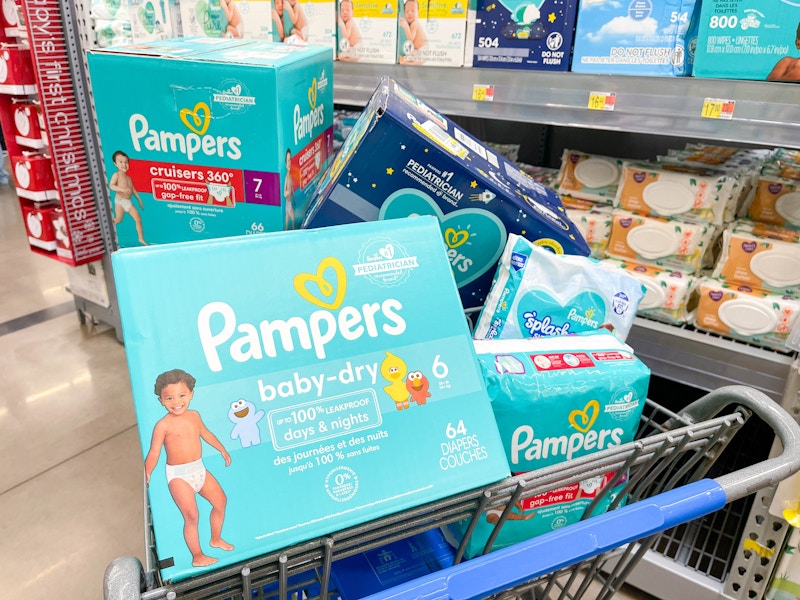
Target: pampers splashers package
[536, 293]
[189, 163]
[403, 158]
[640, 37]
[749, 39]
[307, 379]
[524, 34]
[557, 399]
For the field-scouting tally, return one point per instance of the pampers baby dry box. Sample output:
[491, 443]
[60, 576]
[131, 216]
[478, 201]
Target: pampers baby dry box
[231, 139]
[403, 158]
[557, 399]
[320, 368]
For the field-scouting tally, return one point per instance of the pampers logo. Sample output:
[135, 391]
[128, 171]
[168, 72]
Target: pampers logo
[304, 124]
[526, 446]
[197, 120]
[221, 333]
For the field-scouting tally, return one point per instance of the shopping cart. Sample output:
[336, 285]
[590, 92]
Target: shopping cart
[662, 472]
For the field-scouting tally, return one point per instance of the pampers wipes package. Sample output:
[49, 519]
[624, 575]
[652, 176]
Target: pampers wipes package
[749, 39]
[556, 399]
[536, 293]
[282, 392]
[231, 141]
[637, 37]
[403, 158]
[522, 34]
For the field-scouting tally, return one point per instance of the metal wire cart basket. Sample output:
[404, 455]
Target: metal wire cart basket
[663, 472]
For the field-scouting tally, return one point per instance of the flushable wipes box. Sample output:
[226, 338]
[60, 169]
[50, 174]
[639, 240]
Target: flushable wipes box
[232, 139]
[317, 367]
[403, 158]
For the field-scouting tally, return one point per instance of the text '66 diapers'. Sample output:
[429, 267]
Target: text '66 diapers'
[540, 294]
[557, 399]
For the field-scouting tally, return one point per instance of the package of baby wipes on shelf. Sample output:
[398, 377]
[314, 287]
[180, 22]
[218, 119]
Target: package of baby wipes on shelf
[403, 158]
[666, 243]
[589, 176]
[523, 34]
[557, 399]
[189, 163]
[760, 256]
[536, 293]
[691, 194]
[741, 312]
[748, 39]
[595, 227]
[667, 293]
[310, 363]
[776, 200]
[640, 37]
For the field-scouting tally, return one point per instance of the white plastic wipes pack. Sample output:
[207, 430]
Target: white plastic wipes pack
[540, 294]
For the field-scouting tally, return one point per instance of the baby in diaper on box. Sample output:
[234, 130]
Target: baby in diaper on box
[536, 293]
[557, 399]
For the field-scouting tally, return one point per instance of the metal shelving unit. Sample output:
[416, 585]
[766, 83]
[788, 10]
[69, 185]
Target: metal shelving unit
[765, 114]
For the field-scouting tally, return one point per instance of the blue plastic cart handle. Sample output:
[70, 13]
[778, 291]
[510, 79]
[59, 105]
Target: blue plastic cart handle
[506, 568]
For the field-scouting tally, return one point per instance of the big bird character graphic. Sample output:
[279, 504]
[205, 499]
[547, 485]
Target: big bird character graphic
[393, 370]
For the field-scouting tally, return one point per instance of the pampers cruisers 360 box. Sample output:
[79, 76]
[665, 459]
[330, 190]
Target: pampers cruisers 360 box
[403, 158]
[277, 395]
[231, 139]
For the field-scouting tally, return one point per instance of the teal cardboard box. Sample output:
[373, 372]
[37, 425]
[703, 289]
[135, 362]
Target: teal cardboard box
[749, 39]
[278, 379]
[403, 158]
[205, 138]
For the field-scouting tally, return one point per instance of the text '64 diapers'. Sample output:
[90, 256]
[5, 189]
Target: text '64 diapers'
[540, 294]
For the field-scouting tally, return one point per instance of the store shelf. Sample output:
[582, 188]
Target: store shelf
[765, 113]
[707, 362]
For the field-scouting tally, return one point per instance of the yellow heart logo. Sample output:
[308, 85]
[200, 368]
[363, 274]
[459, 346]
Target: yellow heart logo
[585, 417]
[312, 94]
[454, 238]
[318, 290]
[200, 117]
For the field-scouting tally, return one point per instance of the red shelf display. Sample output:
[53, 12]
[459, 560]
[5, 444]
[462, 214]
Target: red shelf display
[77, 221]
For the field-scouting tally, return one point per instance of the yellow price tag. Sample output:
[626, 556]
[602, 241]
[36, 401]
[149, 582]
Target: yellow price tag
[483, 93]
[602, 100]
[714, 108]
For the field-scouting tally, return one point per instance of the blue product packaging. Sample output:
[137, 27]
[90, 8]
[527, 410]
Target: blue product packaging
[557, 399]
[749, 39]
[189, 164]
[370, 572]
[307, 362]
[539, 294]
[640, 37]
[517, 34]
[403, 158]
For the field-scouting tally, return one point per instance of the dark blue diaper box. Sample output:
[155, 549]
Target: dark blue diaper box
[516, 34]
[376, 570]
[402, 158]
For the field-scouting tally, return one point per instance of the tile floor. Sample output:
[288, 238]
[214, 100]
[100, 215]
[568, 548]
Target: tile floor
[70, 474]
